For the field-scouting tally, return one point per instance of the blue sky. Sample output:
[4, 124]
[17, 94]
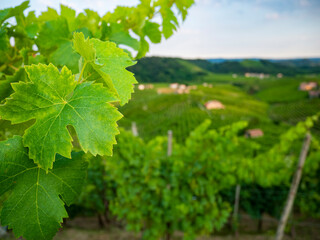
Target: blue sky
[227, 28]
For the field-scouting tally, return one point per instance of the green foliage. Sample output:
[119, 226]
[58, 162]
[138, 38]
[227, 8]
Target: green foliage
[277, 165]
[56, 100]
[309, 202]
[257, 200]
[99, 190]
[107, 64]
[181, 192]
[187, 191]
[5, 85]
[274, 172]
[156, 113]
[35, 207]
[59, 85]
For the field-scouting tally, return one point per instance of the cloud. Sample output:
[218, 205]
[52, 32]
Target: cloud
[304, 3]
[272, 16]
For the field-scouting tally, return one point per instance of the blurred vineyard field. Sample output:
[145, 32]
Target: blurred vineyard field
[271, 104]
[156, 113]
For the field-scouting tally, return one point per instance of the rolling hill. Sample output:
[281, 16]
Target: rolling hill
[166, 70]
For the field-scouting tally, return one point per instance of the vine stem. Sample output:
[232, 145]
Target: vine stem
[13, 67]
[82, 70]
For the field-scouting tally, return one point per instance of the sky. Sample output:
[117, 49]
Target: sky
[226, 28]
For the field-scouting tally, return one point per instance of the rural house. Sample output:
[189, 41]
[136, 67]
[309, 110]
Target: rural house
[214, 104]
[254, 133]
[307, 86]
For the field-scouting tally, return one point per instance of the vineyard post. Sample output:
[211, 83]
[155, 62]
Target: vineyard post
[134, 129]
[236, 209]
[3, 231]
[293, 188]
[169, 153]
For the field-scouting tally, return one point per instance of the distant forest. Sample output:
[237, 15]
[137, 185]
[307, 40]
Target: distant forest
[165, 70]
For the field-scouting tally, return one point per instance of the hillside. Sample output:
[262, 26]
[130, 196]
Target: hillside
[292, 62]
[266, 103]
[155, 113]
[166, 70]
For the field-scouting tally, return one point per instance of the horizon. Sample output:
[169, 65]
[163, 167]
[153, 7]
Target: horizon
[226, 29]
[241, 58]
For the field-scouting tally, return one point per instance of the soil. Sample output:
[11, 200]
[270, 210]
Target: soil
[87, 228]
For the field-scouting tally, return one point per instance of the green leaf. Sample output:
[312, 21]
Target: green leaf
[151, 30]
[11, 12]
[90, 19]
[35, 207]
[110, 62]
[55, 40]
[144, 48]
[4, 13]
[183, 6]
[70, 15]
[55, 100]
[119, 35]
[4, 40]
[65, 56]
[5, 85]
[84, 47]
[50, 14]
[31, 25]
[169, 20]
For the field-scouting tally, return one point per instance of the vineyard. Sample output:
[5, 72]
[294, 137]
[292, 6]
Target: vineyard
[195, 150]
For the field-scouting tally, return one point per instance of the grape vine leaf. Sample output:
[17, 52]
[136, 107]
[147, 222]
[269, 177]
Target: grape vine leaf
[56, 100]
[55, 41]
[110, 62]
[169, 22]
[11, 12]
[4, 40]
[35, 206]
[70, 15]
[5, 85]
[183, 6]
[49, 15]
[144, 48]
[119, 35]
[151, 29]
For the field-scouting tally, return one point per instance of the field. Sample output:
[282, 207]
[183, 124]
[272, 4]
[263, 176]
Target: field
[155, 114]
[273, 106]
